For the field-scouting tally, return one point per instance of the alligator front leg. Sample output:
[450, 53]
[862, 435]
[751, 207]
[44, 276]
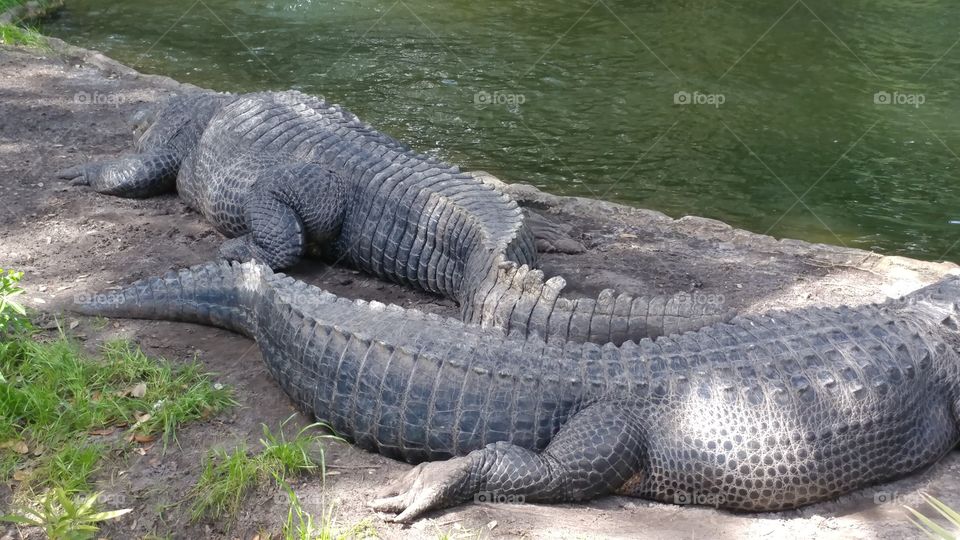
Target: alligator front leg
[134, 176]
[595, 453]
[288, 205]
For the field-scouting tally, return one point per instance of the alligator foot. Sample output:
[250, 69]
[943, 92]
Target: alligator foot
[134, 176]
[551, 237]
[426, 487]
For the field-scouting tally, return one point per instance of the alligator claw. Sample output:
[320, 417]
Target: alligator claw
[426, 487]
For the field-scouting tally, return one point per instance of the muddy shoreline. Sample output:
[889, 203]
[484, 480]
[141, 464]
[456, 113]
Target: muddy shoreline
[67, 105]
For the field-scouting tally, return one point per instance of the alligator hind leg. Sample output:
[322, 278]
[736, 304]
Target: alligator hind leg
[289, 204]
[133, 176]
[595, 453]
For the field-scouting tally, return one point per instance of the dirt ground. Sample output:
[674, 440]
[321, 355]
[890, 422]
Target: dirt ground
[61, 107]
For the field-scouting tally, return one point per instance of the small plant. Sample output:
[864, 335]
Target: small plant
[930, 527]
[13, 316]
[282, 457]
[60, 517]
[227, 477]
[224, 481]
[300, 524]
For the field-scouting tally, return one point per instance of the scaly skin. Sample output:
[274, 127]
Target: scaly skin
[279, 173]
[764, 413]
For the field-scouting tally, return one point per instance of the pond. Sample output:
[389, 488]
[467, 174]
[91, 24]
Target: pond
[812, 119]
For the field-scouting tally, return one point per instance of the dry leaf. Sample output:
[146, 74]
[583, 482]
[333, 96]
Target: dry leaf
[104, 431]
[21, 475]
[143, 439]
[74, 324]
[20, 447]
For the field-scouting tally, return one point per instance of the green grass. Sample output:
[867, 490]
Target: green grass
[301, 525]
[228, 476]
[61, 410]
[12, 34]
[70, 467]
[225, 479]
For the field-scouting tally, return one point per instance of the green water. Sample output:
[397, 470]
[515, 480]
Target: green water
[579, 97]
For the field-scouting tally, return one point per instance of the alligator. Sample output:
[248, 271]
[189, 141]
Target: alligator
[764, 412]
[284, 174]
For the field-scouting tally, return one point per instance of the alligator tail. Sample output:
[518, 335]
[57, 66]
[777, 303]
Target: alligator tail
[516, 298]
[218, 294]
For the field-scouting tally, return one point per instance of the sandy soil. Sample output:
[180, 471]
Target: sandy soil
[65, 106]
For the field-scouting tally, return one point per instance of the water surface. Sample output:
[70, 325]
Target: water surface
[824, 121]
